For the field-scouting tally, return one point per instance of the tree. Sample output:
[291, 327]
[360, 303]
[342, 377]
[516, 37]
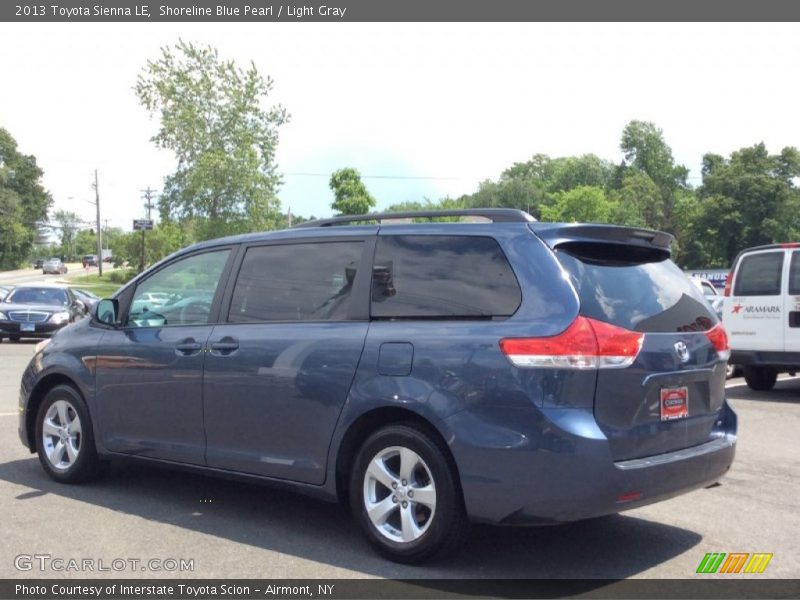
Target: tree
[164, 239]
[67, 224]
[584, 204]
[350, 194]
[23, 202]
[747, 200]
[225, 141]
[647, 153]
[85, 243]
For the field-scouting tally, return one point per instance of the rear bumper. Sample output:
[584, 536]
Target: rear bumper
[761, 358]
[560, 469]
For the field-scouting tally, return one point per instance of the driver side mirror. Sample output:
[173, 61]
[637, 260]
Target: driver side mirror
[106, 311]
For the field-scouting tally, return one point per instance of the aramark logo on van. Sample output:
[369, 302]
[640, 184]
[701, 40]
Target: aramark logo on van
[748, 310]
[763, 309]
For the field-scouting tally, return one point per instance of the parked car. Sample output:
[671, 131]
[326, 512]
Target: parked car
[716, 300]
[89, 260]
[38, 311]
[54, 266]
[762, 312]
[38, 263]
[429, 374]
[87, 297]
[710, 293]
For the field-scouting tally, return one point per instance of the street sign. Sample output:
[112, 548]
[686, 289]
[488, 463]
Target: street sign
[142, 224]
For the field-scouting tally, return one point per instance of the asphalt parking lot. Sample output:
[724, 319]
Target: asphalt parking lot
[233, 530]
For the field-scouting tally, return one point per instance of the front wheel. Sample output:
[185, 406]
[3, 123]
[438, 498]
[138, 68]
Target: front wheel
[761, 379]
[64, 438]
[406, 495]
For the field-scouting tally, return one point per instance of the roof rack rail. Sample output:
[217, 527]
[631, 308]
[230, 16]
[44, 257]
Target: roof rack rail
[496, 215]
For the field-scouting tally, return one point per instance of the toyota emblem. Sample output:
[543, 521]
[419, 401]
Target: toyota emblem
[682, 351]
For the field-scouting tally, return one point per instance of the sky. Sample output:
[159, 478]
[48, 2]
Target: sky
[421, 110]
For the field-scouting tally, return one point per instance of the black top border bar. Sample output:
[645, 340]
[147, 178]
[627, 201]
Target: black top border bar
[397, 10]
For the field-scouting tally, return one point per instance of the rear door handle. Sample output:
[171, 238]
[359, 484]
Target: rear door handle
[188, 347]
[225, 346]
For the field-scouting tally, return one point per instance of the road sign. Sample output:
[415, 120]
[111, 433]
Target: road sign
[142, 224]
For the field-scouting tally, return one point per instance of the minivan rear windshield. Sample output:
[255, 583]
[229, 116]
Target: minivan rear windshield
[652, 296]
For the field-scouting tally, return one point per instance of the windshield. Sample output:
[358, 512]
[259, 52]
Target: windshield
[31, 295]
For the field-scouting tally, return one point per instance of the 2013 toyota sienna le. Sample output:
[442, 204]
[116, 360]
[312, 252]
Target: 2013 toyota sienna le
[431, 374]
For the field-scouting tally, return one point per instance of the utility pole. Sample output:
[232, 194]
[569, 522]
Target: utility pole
[148, 205]
[99, 231]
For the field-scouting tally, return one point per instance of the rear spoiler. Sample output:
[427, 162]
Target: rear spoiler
[606, 242]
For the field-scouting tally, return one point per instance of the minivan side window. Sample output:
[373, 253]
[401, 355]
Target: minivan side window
[437, 276]
[759, 275]
[296, 282]
[179, 294]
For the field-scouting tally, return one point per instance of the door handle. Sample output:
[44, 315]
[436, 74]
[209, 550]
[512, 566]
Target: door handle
[188, 347]
[225, 346]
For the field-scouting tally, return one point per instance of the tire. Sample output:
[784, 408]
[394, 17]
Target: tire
[63, 405]
[13, 338]
[760, 379]
[408, 530]
[729, 370]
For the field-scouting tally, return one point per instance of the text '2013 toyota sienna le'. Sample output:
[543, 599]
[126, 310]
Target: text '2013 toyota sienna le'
[430, 374]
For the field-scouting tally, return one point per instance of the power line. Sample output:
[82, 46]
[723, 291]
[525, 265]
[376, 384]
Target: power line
[418, 177]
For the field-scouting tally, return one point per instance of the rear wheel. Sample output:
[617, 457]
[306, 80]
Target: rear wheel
[64, 438]
[13, 338]
[406, 496]
[761, 379]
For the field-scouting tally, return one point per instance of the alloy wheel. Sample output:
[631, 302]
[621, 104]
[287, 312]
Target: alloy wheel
[61, 435]
[399, 494]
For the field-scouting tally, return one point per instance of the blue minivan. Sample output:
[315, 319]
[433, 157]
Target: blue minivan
[431, 374]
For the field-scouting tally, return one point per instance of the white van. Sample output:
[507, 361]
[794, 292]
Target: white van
[762, 312]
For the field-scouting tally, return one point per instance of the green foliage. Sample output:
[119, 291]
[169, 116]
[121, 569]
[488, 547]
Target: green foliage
[583, 204]
[163, 240]
[212, 119]
[443, 204]
[648, 155]
[67, 224]
[534, 184]
[746, 200]
[351, 196]
[85, 243]
[23, 202]
[121, 276]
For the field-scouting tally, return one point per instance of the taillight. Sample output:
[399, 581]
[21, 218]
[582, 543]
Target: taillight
[719, 339]
[728, 281]
[585, 344]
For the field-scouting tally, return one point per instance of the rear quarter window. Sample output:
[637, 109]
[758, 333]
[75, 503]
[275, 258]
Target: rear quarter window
[759, 275]
[436, 276]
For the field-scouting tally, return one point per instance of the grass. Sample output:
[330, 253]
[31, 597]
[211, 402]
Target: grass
[94, 283]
